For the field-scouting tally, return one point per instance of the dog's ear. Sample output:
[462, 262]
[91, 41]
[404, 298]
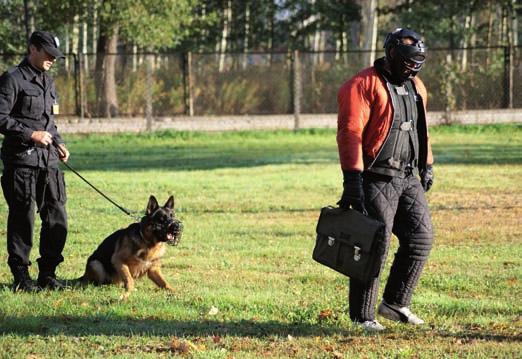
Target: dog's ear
[152, 205]
[170, 203]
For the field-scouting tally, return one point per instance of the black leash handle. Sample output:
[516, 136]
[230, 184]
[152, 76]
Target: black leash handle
[124, 210]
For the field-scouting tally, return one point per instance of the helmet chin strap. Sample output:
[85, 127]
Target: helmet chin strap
[397, 73]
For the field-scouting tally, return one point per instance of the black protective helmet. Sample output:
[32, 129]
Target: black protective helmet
[407, 59]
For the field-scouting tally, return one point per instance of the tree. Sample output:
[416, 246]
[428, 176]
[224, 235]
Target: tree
[149, 24]
[308, 21]
[12, 28]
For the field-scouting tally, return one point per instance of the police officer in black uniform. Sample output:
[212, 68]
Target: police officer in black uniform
[30, 152]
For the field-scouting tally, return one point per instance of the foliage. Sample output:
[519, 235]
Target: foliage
[222, 94]
[12, 28]
[281, 24]
[276, 26]
[443, 24]
[262, 87]
[302, 18]
[151, 24]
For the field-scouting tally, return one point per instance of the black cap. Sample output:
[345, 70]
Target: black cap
[48, 41]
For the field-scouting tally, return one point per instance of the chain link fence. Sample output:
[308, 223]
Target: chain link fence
[171, 84]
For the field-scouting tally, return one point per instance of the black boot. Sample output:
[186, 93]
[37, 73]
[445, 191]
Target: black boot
[49, 281]
[22, 280]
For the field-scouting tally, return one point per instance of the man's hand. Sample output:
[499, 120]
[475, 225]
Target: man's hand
[63, 153]
[427, 176]
[42, 138]
[353, 194]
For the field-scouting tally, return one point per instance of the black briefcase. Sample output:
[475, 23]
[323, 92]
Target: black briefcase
[350, 243]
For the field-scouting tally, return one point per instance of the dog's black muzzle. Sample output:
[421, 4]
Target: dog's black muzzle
[174, 231]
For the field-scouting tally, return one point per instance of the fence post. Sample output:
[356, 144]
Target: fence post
[187, 84]
[508, 77]
[297, 90]
[76, 84]
[148, 93]
[81, 88]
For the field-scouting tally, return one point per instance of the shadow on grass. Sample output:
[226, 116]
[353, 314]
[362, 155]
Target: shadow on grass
[172, 151]
[75, 326]
[482, 335]
[201, 157]
[482, 154]
[123, 326]
[215, 157]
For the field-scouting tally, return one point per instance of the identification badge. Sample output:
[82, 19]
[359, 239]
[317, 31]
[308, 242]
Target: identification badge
[56, 109]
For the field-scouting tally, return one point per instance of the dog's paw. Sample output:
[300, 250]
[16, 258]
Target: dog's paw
[124, 296]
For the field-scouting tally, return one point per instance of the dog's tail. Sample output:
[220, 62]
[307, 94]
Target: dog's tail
[78, 282]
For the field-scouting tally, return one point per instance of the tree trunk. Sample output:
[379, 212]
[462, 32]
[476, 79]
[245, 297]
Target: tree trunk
[271, 37]
[339, 42]
[94, 28]
[502, 26]
[449, 78]
[84, 51]
[134, 58]
[224, 35]
[98, 73]
[370, 30]
[29, 18]
[322, 46]
[465, 43]
[315, 45]
[75, 38]
[107, 99]
[111, 97]
[514, 24]
[67, 47]
[489, 41]
[246, 35]
[297, 90]
[510, 40]
[473, 38]
[355, 34]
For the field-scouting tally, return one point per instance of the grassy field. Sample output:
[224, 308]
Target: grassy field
[246, 286]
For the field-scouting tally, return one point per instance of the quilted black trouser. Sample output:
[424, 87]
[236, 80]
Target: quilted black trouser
[401, 205]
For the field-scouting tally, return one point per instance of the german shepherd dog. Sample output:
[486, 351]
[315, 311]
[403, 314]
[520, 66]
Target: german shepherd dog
[130, 253]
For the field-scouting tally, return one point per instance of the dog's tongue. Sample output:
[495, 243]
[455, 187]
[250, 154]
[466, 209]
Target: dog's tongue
[170, 236]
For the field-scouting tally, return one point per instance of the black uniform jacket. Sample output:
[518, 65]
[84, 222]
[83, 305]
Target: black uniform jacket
[27, 97]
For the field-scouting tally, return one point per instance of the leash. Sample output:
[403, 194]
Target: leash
[123, 209]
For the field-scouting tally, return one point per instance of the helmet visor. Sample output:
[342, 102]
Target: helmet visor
[412, 56]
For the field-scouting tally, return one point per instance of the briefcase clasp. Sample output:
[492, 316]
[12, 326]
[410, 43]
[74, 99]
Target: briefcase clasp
[356, 253]
[331, 241]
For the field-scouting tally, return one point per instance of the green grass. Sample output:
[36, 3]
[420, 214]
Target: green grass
[249, 202]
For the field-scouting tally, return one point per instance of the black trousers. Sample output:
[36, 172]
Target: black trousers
[24, 187]
[401, 205]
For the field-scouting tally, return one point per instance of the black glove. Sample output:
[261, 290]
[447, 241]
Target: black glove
[427, 177]
[353, 194]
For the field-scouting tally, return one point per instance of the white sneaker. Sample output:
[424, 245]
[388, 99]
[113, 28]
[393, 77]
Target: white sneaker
[371, 326]
[399, 314]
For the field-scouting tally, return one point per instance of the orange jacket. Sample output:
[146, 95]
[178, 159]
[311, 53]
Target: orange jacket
[365, 117]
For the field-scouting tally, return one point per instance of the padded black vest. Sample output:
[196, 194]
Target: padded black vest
[401, 147]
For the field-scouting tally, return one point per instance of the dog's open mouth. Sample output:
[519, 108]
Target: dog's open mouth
[174, 233]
